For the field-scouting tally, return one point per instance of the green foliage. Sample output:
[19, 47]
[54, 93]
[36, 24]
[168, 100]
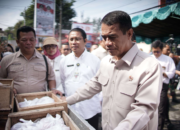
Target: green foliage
[10, 33]
[18, 25]
[29, 15]
[67, 14]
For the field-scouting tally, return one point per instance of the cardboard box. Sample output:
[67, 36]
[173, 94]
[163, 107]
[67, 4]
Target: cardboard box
[13, 118]
[30, 96]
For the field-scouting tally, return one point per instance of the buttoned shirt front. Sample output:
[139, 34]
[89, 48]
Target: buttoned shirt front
[168, 67]
[75, 72]
[100, 52]
[28, 75]
[55, 63]
[131, 90]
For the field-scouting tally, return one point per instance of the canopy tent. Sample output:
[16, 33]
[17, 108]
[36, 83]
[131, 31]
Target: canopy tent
[158, 24]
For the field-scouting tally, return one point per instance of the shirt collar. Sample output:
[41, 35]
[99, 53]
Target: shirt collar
[128, 57]
[82, 55]
[36, 54]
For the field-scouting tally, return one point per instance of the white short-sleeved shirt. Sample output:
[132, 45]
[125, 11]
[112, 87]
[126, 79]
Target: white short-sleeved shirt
[168, 67]
[75, 73]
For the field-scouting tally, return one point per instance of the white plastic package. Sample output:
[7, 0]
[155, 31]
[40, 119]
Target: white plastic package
[36, 101]
[47, 123]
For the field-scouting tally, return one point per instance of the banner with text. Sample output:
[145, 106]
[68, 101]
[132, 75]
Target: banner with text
[44, 17]
[88, 28]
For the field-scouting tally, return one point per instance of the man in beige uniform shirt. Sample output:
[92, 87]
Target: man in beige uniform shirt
[130, 79]
[27, 67]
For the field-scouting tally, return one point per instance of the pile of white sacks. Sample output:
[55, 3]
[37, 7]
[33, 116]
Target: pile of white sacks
[47, 123]
[36, 101]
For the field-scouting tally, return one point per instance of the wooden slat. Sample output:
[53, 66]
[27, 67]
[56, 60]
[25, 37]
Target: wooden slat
[68, 121]
[13, 118]
[8, 124]
[31, 96]
[36, 112]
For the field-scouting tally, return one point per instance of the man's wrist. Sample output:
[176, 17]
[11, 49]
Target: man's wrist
[53, 89]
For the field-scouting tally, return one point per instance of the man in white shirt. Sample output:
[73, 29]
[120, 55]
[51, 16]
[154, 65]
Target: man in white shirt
[94, 47]
[100, 52]
[65, 49]
[76, 69]
[168, 72]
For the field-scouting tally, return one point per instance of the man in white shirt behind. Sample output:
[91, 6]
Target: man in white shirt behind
[100, 52]
[76, 70]
[65, 49]
[168, 69]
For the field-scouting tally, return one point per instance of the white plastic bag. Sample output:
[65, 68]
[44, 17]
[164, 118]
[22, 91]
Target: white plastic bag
[47, 123]
[36, 101]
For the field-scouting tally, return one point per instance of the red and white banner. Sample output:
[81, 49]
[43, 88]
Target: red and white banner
[88, 28]
[44, 17]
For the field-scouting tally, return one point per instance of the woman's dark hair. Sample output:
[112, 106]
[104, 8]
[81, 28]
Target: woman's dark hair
[157, 44]
[118, 17]
[79, 30]
[25, 29]
[9, 45]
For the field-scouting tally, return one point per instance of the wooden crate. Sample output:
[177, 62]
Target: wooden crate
[31, 96]
[13, 118]
[6, 98]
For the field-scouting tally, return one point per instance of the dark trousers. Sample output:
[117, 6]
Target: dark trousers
[94, 121]
[163, 109]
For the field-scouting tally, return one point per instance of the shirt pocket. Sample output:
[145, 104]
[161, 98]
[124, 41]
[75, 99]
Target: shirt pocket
[103, 80]
[40, 72]
[16, 72]
[125, 95]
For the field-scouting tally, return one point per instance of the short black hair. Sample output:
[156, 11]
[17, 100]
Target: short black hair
[79, 30]
[65, 44]
[157, 44]
[118, 17]
[164, 45]
[25, 29]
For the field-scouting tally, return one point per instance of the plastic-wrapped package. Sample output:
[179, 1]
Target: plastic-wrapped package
[36, 101]
[47, 123]
[26, 125]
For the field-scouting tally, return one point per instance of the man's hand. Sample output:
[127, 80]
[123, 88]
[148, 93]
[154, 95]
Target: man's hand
[177, 72]
[63, 98]
[164, 74]
[57, 92]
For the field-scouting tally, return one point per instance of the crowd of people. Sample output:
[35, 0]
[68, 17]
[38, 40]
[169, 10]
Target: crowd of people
[128, 86]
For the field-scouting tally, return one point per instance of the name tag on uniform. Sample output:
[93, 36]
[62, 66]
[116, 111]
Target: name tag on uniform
[39, 64]
[56, 70]
[70, 65]
[16, 63]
